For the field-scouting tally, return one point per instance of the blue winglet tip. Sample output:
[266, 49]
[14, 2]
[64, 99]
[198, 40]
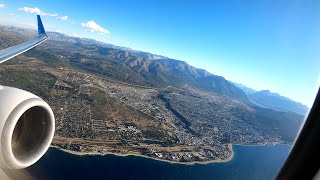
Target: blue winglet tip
[41, 30]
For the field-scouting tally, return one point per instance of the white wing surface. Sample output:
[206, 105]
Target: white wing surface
[8, 53]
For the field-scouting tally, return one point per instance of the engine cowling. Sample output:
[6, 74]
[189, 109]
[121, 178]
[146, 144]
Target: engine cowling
[26, 128]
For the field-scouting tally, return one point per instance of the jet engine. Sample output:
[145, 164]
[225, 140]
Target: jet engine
[26, 128]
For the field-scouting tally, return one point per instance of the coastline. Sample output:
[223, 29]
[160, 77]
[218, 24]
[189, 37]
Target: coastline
[239, 144]
[230, 146]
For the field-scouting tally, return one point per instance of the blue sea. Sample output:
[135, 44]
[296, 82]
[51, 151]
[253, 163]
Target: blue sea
[249, 162]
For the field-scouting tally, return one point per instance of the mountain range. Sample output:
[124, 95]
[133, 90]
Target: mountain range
[143, 68]
[271, 100]
[157, 70]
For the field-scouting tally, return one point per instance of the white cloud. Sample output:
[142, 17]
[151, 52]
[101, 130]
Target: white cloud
[92, 27]
[11, 14]
[2, 5]
[63, 18]
[36, 10]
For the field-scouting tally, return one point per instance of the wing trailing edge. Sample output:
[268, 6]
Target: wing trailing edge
[8, 53]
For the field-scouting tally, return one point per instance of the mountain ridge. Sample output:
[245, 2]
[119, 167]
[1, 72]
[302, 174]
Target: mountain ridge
[277, 102]
[156, 72]
[272, 100]
[60, 36]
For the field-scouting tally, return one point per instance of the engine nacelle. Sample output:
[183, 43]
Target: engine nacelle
[26, 128]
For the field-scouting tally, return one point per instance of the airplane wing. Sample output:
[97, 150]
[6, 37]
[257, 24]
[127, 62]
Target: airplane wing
[27, 122]
[8, 53]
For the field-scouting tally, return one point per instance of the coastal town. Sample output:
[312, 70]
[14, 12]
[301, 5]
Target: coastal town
[100, 116]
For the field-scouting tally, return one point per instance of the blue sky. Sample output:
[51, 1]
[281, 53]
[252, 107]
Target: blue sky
[264, 44]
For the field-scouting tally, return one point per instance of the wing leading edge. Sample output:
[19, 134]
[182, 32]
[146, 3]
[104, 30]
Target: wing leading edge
[8, 53]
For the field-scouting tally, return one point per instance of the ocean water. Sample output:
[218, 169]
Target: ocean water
[249, 162]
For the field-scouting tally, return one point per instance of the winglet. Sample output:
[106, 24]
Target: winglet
[10, 52]
[41, 30]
